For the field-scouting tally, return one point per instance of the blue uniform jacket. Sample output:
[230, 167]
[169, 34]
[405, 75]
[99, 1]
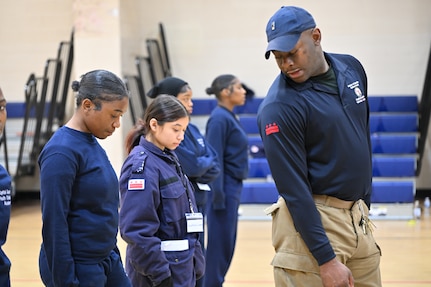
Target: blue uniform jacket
[154, 212]
[5, 201]
[317, 142]
[198, 159]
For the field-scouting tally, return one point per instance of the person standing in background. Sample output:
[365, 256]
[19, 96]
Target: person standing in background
[225, 134]
[5, 204]
[79, 190]
[198, 159]
[314, 124]
[158, 214]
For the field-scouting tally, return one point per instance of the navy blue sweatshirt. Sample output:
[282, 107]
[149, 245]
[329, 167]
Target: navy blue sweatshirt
[5, 201]
[225, 134]
[80, 199]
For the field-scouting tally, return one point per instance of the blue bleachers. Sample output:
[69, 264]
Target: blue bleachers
[395, 191]
[394, 141]
[393, 123]
[380, 143]
[394, 166]
[205, 106]
[400, 103]
[259, 192]
[382, 167]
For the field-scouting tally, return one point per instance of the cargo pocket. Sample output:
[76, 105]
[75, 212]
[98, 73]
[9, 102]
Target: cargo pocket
[174, 201]
[290, 250]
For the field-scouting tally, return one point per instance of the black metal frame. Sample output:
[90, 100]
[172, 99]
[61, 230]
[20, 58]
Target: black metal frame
[165, 55]
[66, 55]
[45, 105]
[35, 96]
[137, 106]
[157, 68]
[144, 75]
[424, 114]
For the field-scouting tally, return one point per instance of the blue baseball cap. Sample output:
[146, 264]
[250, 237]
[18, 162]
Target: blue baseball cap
[285, 27]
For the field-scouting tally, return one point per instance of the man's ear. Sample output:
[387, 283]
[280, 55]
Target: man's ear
[316, 35]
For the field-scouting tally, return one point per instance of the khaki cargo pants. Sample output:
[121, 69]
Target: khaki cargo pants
[294, 266]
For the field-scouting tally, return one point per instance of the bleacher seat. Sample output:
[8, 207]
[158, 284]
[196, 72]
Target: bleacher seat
[258, 168]
[393, 191]
[387, 166]
[394, 123]
[205, 106]
[406, 103]
[401, 103]
[394, 166]
[380, 143]
[259, 192]
[382, 192]
[394, 143]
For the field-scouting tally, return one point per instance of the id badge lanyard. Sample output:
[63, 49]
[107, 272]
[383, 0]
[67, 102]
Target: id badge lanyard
[195, 221]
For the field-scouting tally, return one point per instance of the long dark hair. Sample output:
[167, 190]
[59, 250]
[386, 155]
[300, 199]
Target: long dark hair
[164, 109]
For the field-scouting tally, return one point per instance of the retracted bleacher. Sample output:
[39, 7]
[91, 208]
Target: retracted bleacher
[394, 139]
[31, 123]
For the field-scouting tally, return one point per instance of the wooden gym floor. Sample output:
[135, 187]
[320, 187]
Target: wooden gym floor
[406, 248]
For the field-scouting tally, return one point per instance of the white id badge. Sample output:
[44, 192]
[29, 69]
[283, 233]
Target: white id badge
[195, 222]
[203, 186]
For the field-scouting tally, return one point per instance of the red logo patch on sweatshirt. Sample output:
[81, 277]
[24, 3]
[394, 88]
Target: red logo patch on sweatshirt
[271, 128]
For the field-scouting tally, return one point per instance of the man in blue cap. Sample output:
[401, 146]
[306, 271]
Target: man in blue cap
[314, 123]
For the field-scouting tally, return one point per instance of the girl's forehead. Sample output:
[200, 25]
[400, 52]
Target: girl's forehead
[236, 82]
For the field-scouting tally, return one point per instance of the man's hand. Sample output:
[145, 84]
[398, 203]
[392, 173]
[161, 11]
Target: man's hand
[336, 274]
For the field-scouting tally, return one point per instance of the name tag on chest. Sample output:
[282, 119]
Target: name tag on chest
[195, 222]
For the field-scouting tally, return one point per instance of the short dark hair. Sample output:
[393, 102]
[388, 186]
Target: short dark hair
[220, 83]
[99, 86]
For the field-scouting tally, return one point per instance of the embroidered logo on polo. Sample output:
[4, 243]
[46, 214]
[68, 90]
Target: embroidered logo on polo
[136, 184]
[359, 95]
[271, 128]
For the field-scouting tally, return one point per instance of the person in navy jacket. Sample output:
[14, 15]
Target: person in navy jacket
[314, 124]
[198, 159]
[159, 219]
[5, 204]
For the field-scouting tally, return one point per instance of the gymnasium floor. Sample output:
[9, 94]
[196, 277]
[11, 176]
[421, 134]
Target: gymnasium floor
[406, 248]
